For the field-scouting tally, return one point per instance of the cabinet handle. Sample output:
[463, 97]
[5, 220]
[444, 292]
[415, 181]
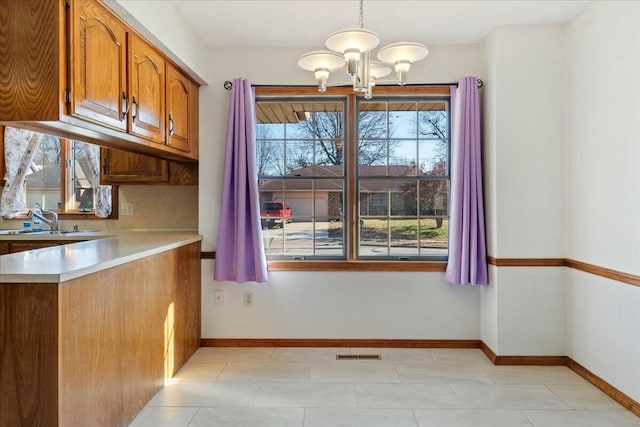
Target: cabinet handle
[171, 125]
[125, 106]
[104, 166]
[134, 113]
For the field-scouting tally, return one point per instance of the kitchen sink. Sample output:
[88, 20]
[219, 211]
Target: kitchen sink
[58, 232]
[43, 232]
[14, 232]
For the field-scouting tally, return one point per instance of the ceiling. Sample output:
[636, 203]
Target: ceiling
[282, 23]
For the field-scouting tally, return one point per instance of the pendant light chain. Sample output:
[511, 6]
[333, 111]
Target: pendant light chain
[361, 20]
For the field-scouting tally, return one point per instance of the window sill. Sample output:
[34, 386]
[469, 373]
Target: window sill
[326, 265]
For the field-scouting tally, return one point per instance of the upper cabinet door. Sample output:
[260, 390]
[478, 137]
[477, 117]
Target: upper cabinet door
[178, 106]
[98, 72]
[146, 85]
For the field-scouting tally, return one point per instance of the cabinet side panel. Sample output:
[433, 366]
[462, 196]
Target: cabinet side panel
[91, 322]
[30, 51]
[28, 355]
[188, 302]
[122, 333]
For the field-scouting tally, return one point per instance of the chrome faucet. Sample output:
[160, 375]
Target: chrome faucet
[39, 214]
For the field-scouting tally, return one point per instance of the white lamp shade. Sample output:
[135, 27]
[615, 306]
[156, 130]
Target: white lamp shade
[403, 51]
[352, 38]
[320, 59]
[378, 69]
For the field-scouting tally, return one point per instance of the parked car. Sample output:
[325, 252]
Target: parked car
[274, 213]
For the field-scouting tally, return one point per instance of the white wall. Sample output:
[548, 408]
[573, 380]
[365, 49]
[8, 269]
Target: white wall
[523, 311]
[165, 23]
[343, 305]
[603, 175]
[315, 304]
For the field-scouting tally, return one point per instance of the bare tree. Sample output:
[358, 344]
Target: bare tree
[327, 129]
[433, 124]
[269, 154]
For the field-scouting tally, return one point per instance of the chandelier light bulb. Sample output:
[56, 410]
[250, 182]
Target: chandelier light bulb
[352, 57]
[322, 74]
[402, 68]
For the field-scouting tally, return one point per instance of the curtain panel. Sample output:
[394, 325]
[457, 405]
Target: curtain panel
[20, 148]
[102, 193]
[467, 246]
[239, 254]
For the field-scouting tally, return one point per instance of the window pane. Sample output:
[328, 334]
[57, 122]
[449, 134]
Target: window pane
[402, 120]
[374, 197]
[372, 120]
[299, 238]
[374, 237]
[434, 197]
[44, 182]
[403, 196]
[433, 157]
[434, 236]
[394, 213]
[302, 196]
[270, 113]
[329, 238]
[404, 237]
[270, 157]
[433, 120]
[373, 153]
[299, 155]
[81, 188]
[402, 157]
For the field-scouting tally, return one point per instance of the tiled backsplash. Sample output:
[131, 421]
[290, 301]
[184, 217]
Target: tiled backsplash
[154, 207]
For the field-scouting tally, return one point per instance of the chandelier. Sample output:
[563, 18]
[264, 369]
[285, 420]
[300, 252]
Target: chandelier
[353, 46]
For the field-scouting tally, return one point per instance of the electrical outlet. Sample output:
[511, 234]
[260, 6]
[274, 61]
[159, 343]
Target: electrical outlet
[248, 298]
[218, 297]
[126, 208]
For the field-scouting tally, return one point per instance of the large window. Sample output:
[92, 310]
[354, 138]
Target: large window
[302, 177]
[403, 178]
[345, 178]
[61, 176]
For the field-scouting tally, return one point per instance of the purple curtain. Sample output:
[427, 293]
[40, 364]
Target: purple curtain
[467, 248]
[239, 254]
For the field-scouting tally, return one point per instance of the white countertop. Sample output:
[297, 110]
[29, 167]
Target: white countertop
[59, 264]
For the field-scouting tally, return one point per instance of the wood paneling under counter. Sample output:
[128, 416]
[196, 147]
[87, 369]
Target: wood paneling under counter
[28, 356]
[94, 350]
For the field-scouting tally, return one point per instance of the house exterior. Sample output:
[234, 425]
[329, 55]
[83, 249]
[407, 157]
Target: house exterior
[377, 196]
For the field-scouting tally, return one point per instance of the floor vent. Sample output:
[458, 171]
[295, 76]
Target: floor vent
[358, 357]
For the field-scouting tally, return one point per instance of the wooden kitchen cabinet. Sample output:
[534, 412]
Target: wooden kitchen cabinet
[120, 167]
[76, 70]
[147, 88]
[99, 71]
[179, 114]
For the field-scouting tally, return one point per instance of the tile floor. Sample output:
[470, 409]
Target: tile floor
[308, 387]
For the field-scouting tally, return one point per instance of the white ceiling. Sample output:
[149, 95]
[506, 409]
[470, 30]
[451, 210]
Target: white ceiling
[307, 22]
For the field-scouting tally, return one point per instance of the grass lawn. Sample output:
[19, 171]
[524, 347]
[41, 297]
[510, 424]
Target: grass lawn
[406, 229]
